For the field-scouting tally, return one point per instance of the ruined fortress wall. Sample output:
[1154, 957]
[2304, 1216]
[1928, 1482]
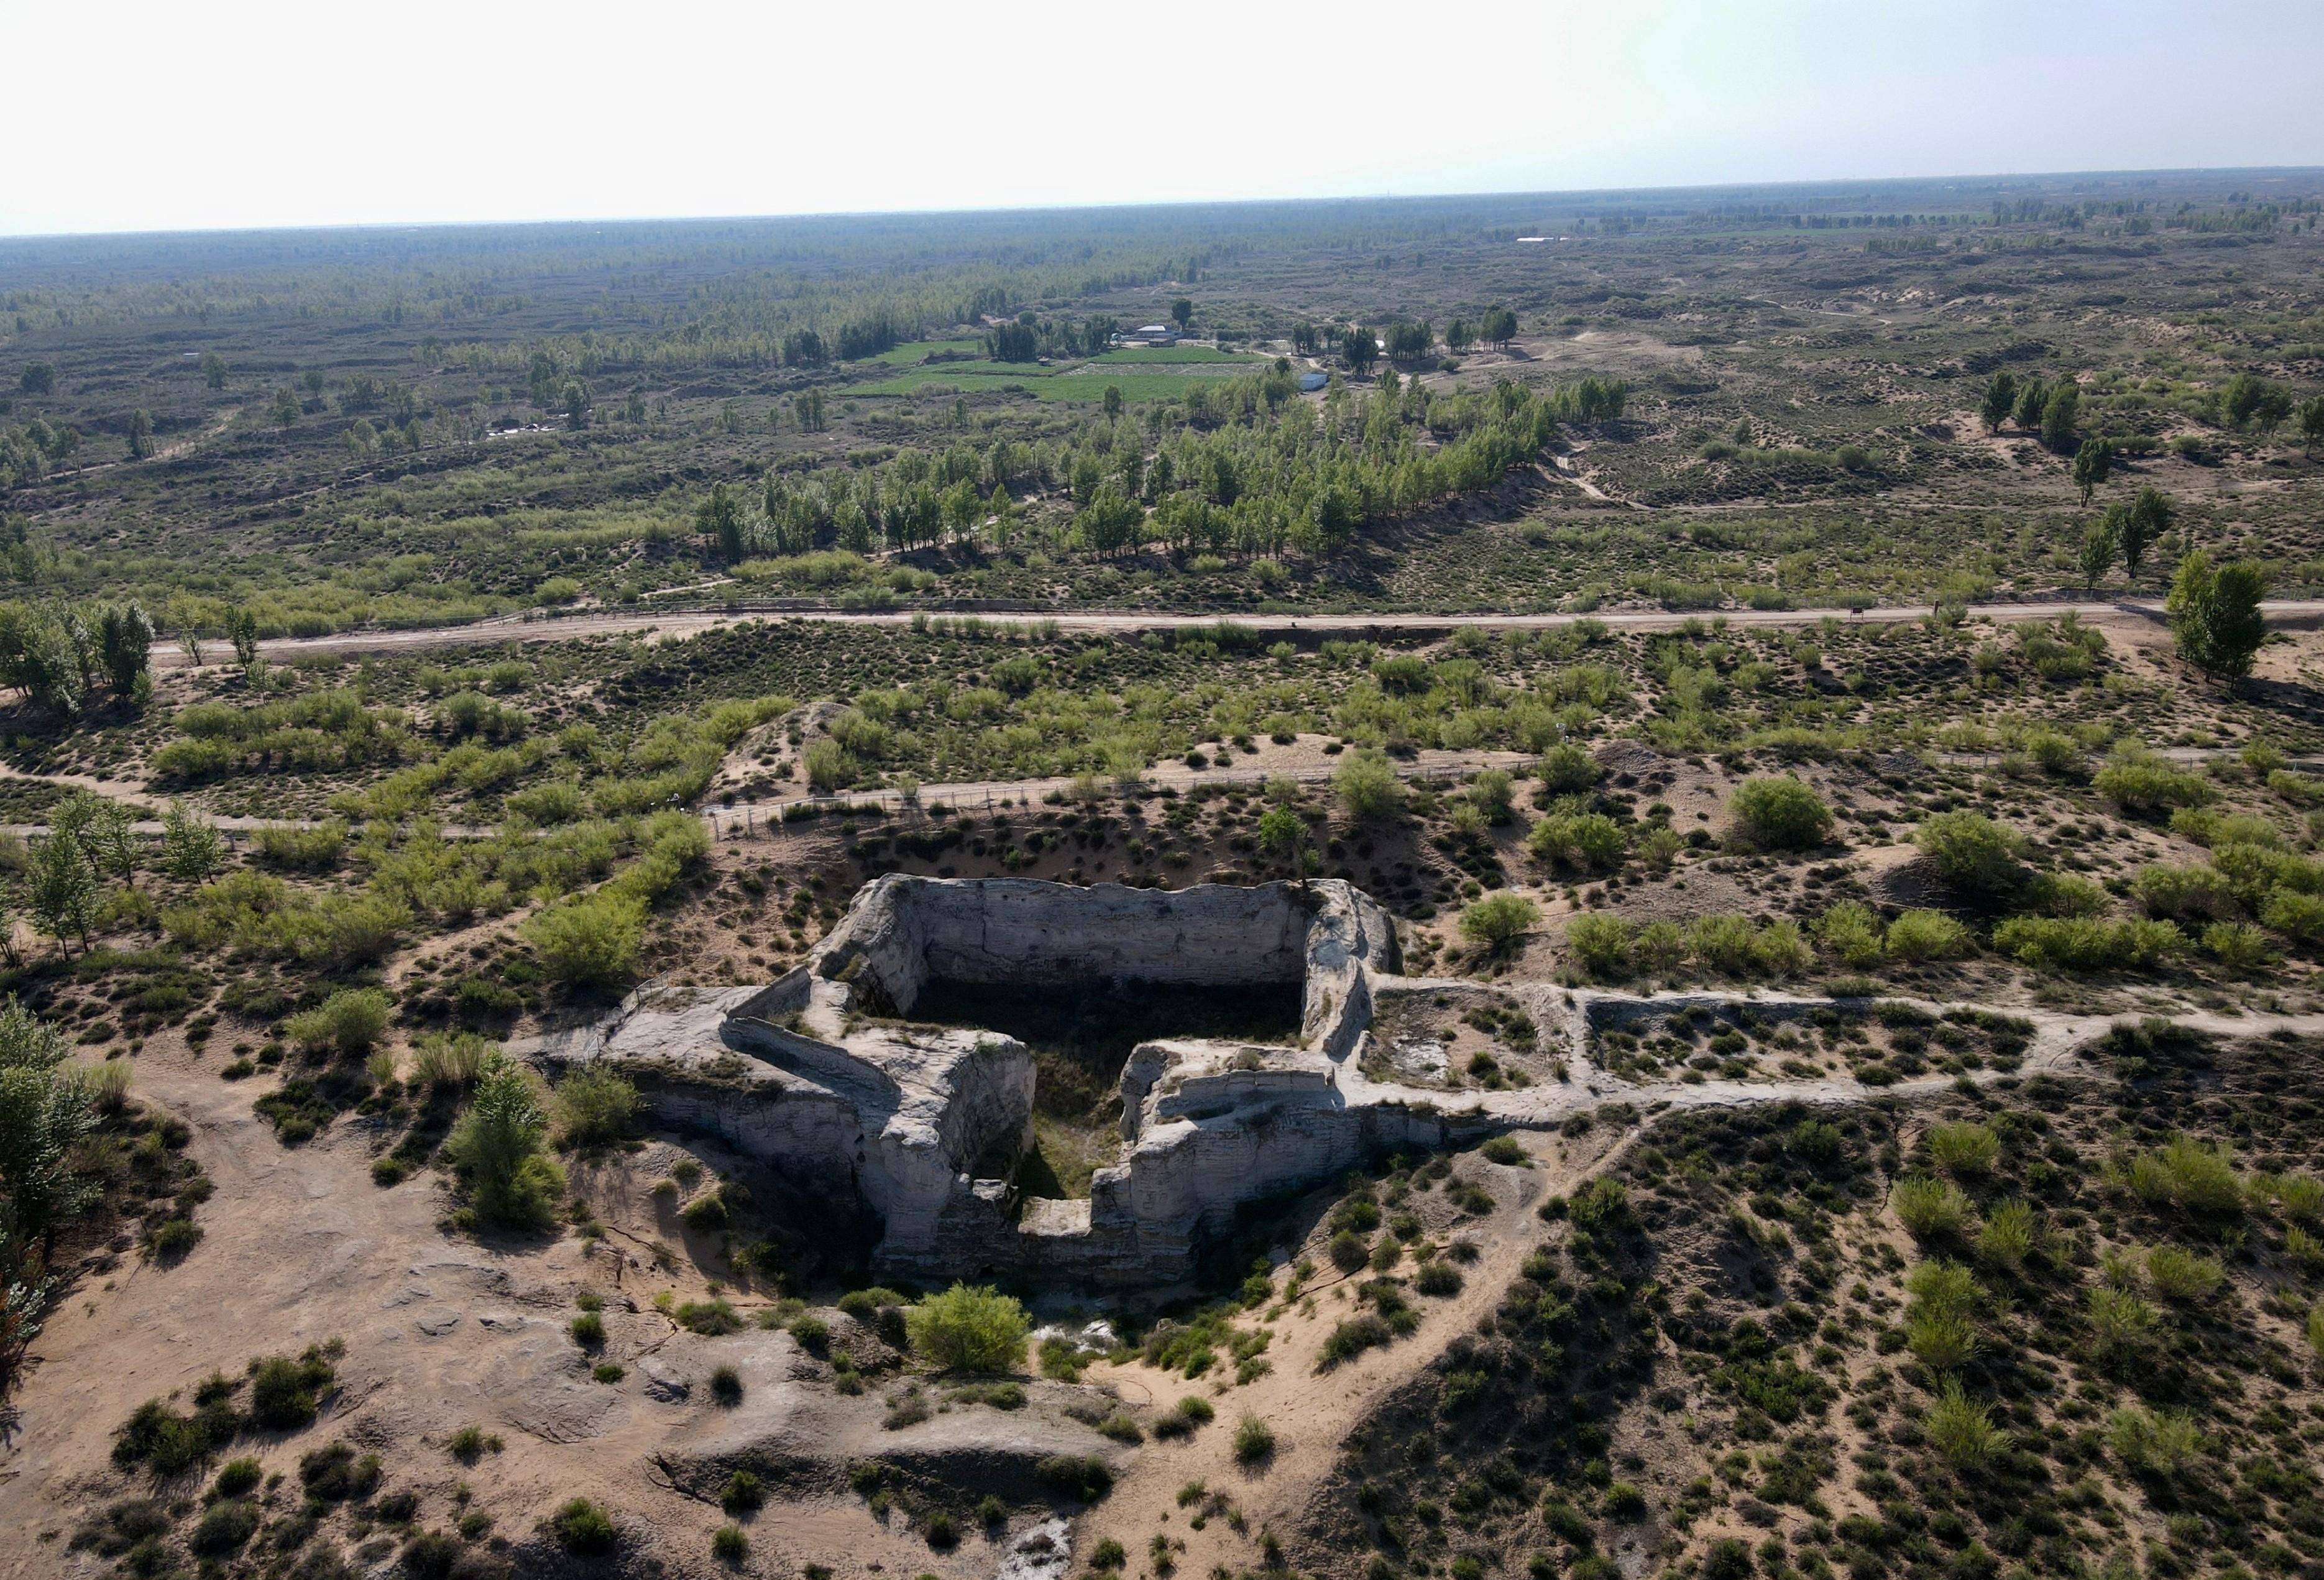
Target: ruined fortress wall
[908, 932]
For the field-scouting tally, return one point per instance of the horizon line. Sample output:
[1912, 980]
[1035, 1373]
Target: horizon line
[770, 216]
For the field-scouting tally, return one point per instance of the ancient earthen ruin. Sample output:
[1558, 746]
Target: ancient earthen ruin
[826, 1077]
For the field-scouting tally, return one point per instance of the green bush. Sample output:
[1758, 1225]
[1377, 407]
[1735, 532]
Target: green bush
[595, 1106]
[1920, 936]
[584, 1529]
[2006, 1238]
[2186, 893]
[591, 940]
[2088, 944]
[1961, 1430]
[2185, 1174]
[969, 1328]
[1566, 769]
[2153, 1444]
[1964, 1148]
[1601, 944]
[743, 1494]
[1971, 853]
[1587, 841]
[237, 1476]
[1929, 1209]
[284, 1393]
[730, 1544]
[1780, 812]
[1850, 934]
[1367, 787]
[347, 1022]
[1254, 1440]
[2144, 785]
[2182, 1275]
[496, 1145]
[1498, 920]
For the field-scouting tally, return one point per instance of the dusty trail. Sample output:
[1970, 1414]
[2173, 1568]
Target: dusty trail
[679, 623]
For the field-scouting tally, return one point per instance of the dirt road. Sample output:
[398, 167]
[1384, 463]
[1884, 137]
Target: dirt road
[680, 623]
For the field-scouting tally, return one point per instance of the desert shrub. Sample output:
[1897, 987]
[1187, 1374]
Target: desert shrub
[2182, 1275]
[2144, 785]
[347, 1022]
[168, 1443]
[589, 940]
[237, 1476]
[2300, 1195]
[595, 1106]
[2186, 893]
[588, 1329]
[1437, 1277]
[1498, 920]
[1971, 853]
[307, 850]
[2006, 1238]
[2152, 1444]
[1964, 1148]
[2185, 1174]
[2064, 894]
[1254, 1440]
[1566, 769]
[1919, 936]
[225, 1526]
[725, 1385]
[285, 1393]
[1850, 934]
[2121, 1324]
[1780, 812]
[1587, 841]
[583, 1528]
[1929, 1209]
[1734, 946]
[1367, 787]
[1961, 1429]
[2088, 944]
[471, 1444]
[969, 1328]
[448, 1059]
[496, 1145]
[336, 1474]
[1600, 942]
[1351, 1338]
[730, 1544]
[2238, 946]
[1348, 1250]
[744, 1493]
[548, 805]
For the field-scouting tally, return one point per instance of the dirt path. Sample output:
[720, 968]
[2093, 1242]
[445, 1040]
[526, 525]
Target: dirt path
[680, 623]
[1312, 1414]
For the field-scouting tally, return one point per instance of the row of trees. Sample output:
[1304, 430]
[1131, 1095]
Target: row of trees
[92, 843]
[1238, 464]
[56, 657]
[2053, 410]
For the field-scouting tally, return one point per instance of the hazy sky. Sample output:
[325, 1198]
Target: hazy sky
[138, 115]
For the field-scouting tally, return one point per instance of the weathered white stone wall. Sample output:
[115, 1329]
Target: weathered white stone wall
[905, 930]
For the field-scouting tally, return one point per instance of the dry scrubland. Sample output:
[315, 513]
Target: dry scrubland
[1905, 1032]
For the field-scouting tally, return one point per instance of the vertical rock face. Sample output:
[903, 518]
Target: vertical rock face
[904, 1118]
